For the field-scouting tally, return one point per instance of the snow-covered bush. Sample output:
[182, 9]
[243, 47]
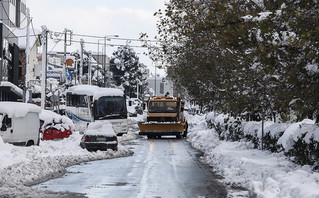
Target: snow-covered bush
[226, 126]
[299, 141]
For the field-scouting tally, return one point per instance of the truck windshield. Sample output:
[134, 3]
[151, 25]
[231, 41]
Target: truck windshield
[108, 107]
[163, 107]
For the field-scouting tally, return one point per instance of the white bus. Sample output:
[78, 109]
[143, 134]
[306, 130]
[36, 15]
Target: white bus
[89, 103]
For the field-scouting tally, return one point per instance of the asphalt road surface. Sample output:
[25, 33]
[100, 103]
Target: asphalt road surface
[159, 168]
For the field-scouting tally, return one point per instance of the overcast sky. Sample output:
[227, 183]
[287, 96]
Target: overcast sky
[126, 18]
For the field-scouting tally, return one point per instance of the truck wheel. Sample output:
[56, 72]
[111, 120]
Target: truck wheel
[185, 134]
[178, 136]
[150, 137]
[186, 130]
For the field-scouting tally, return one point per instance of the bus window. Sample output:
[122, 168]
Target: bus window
[77, 100]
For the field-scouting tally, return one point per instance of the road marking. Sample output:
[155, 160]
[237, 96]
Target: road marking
[149, 164]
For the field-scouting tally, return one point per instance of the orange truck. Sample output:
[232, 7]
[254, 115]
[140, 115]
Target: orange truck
[165, 117]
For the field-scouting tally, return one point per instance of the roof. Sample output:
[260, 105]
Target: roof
[18, 109]
[13, 87]
[164, 98]
[95, 91]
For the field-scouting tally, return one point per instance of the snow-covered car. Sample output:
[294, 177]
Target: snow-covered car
[99, 135]
[55, 126]
[55, 132]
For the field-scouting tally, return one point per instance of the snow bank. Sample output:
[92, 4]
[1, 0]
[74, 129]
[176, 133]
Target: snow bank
[250, 172]
[22, 166]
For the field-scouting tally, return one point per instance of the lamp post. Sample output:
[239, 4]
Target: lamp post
[159, 67]
[64, 68]
[106, 38]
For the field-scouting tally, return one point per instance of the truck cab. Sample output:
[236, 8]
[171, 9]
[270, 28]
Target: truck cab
[164, 117]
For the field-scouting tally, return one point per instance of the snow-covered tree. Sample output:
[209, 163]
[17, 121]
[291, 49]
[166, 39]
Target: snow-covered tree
[244, 57]
[97, 70]
[127, 71]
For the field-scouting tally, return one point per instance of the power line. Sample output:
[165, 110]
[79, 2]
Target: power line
[111, 37]
[92, 36]
[109, 44]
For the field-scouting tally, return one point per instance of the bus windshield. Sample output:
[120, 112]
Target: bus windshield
[163, 107]
[108, 107]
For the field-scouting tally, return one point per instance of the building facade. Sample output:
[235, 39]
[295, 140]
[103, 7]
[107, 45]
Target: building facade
[162, 86]
[12, 15]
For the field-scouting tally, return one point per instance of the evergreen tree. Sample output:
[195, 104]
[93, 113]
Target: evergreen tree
[127, 70]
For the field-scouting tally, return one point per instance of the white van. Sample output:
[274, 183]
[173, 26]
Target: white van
[19, 123]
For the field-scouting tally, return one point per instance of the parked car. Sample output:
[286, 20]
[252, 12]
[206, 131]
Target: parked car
[99, 136]
[55, 126]
[19, 123]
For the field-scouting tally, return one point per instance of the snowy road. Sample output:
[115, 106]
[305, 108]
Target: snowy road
[165, 167]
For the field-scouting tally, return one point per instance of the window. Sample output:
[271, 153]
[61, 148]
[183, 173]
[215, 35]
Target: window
[76, 100]
[162, 107]
[6, 121]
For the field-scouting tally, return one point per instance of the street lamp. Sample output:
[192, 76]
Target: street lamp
[107, 37]
[159, 67]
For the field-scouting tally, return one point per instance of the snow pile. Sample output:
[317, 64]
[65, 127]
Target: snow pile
[23, 166]
[261, 173]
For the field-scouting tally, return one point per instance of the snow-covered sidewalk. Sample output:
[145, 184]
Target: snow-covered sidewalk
[21, 167]
[263, 174]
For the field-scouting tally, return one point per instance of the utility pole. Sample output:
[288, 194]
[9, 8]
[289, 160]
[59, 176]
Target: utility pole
[27, 52]
[262, 125]
[64, 61]
[104, 61]
[44, 64]
[89, 69]
[1, 51]
[81, 63]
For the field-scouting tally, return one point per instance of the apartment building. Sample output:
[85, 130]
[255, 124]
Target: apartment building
[12, 15]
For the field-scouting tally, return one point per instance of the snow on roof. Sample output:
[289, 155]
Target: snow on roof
[104, 128]
[36, 88]
[95, 91]
[51, 117]
[18, 109]
[14, 87]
